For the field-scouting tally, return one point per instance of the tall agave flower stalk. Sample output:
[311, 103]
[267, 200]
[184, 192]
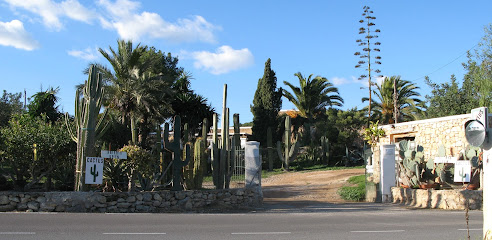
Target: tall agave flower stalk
[88, 127]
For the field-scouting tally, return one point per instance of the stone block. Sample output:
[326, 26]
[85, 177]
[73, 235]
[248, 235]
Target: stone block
[33, 205]
[147, 197]
[123, 205]
[22, 207]
[180, 195]
[4, 200]
[165, 205]
[139, 197]
[47, 207]
[101, 199]
[60, 208]
[7, 208]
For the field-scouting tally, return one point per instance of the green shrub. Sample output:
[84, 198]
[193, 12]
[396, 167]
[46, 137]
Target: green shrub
[354, 193]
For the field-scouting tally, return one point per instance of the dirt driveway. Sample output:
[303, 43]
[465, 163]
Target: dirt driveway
[301, 189]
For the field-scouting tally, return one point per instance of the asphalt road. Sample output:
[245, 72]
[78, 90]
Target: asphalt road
[323, 221]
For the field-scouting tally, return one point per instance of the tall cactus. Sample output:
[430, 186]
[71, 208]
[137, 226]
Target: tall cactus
[325, 150]
[215, 156]
[88, 127]
[221, 152]
[198, 163]
[231, 152]
[201, 156]
[175, 147]
[290, 149]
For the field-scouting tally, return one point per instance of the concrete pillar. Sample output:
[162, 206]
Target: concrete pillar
[487, 188]
[252, 164]
[388, 171]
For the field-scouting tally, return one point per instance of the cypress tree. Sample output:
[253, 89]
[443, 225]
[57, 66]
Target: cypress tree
[266, 105]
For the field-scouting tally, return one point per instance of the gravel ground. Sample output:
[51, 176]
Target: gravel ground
[307, 187]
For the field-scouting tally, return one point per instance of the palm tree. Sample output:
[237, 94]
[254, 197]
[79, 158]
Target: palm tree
[313, 96]
[132, 89]
[44, 102]
[407, 101]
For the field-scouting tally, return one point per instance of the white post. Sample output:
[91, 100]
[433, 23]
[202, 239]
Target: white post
[252, 164]
[388, 171]
[487, 188]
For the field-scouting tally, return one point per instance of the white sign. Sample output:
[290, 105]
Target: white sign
[94, 170]
[113, 154]
[462, 171]
[445, 159]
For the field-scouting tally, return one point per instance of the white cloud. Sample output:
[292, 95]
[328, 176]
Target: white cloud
[337, 81]
[88, 54]
[13, 34]
[224, 60]
[51, 11]
[131, 25]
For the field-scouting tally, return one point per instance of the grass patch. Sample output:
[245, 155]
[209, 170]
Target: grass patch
[354, 193]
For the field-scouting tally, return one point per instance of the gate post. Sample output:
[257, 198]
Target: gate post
[487, 188]
[388, 171]
[252, 164]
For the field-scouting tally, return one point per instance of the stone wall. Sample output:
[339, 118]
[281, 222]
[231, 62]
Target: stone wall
[439, 199]
[163, 201]
[431, 133]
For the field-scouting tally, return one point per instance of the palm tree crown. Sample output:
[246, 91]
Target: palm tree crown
[312, 96]
[133, 89]
[407, 100]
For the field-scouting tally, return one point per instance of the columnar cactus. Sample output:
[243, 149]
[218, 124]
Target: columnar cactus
[175, 147]
[325, 150]
[231, 153]
[290, 149]
[88, 127]
[215, 156]
[221, 152]
[199, 160]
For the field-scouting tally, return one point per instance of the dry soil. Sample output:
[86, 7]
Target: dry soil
[304, 188]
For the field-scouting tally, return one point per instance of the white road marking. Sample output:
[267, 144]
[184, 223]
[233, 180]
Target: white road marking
[134, 233]
[17, 233]
[474, 229]
[260, 233]
[383, 231]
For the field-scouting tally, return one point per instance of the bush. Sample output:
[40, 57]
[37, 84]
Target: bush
[54, 158]
[354, 193]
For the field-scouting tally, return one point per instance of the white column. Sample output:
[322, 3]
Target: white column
[388, 171]
[252, 164]
[487, 188]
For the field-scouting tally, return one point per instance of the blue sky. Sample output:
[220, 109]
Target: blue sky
[47, 43]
